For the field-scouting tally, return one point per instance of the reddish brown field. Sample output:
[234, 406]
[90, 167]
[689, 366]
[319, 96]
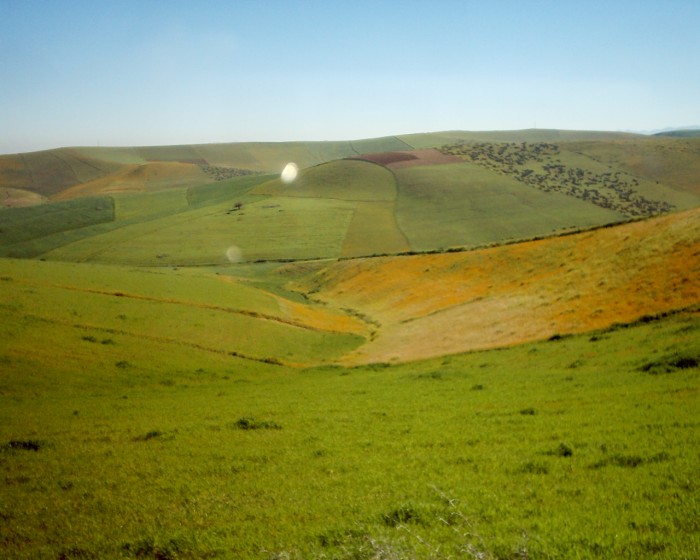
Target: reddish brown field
[426, 157]
[386, 158]
[413, 158]
[430, 305]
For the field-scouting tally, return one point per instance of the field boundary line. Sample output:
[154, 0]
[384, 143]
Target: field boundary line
[243, 312]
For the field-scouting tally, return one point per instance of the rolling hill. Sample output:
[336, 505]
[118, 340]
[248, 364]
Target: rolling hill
[389, 195]
[430, 305]
[440, 345]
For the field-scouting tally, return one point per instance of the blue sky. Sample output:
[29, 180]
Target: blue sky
[149, 72]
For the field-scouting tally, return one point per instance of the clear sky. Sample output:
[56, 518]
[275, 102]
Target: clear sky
[143, 72]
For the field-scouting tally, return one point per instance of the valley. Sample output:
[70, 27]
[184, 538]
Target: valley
[438, 345]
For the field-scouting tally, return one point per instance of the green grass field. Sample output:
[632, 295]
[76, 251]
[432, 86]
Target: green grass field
[466, 205]
[202, 310]
[341, 180]
[30, 231]
[117, 444]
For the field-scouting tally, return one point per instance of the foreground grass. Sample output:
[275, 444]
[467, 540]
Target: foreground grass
[579, 447]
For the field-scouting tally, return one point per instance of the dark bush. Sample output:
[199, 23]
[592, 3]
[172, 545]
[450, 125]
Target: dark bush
[149, 435]
[247, 423]
[671, 363]
[533, 467]
[24, 445]
[563, 450]
[403, 515]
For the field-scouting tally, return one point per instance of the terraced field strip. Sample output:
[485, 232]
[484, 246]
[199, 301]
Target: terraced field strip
[238, 332]
[374, 230]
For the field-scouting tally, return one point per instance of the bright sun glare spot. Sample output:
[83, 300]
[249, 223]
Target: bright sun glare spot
[234, 254]
[289, 173]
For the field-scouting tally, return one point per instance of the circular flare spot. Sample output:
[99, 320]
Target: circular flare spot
[234, 254]
[289, 173]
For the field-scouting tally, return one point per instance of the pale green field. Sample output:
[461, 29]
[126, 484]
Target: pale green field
[136, 437]
[341, 180]
[467, 205]
[374, 230]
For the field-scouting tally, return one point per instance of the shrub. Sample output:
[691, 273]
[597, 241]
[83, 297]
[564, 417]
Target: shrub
[24, 445]
[534, 467]
[247, 423]
[149, 435]
[671, 363]
[402, 515]
[562, 450]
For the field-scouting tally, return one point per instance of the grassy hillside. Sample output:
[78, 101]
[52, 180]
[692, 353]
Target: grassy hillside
[90, 169]
[431, 305]
[465, 205]
[672, 162]
[437, 139]
[26, 232]
[201, 310]
[192, 452]
[51, 172]
[341, 180]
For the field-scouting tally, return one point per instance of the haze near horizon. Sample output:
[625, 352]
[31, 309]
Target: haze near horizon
[78, 73]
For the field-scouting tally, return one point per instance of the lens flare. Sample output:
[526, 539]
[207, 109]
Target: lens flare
[234, 254]
[289, 173]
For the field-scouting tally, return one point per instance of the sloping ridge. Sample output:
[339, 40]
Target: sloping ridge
[431, 305]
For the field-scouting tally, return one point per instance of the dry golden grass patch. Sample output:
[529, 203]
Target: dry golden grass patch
[141, 177]
[311, 317]
[429, 305]
[16, 198]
